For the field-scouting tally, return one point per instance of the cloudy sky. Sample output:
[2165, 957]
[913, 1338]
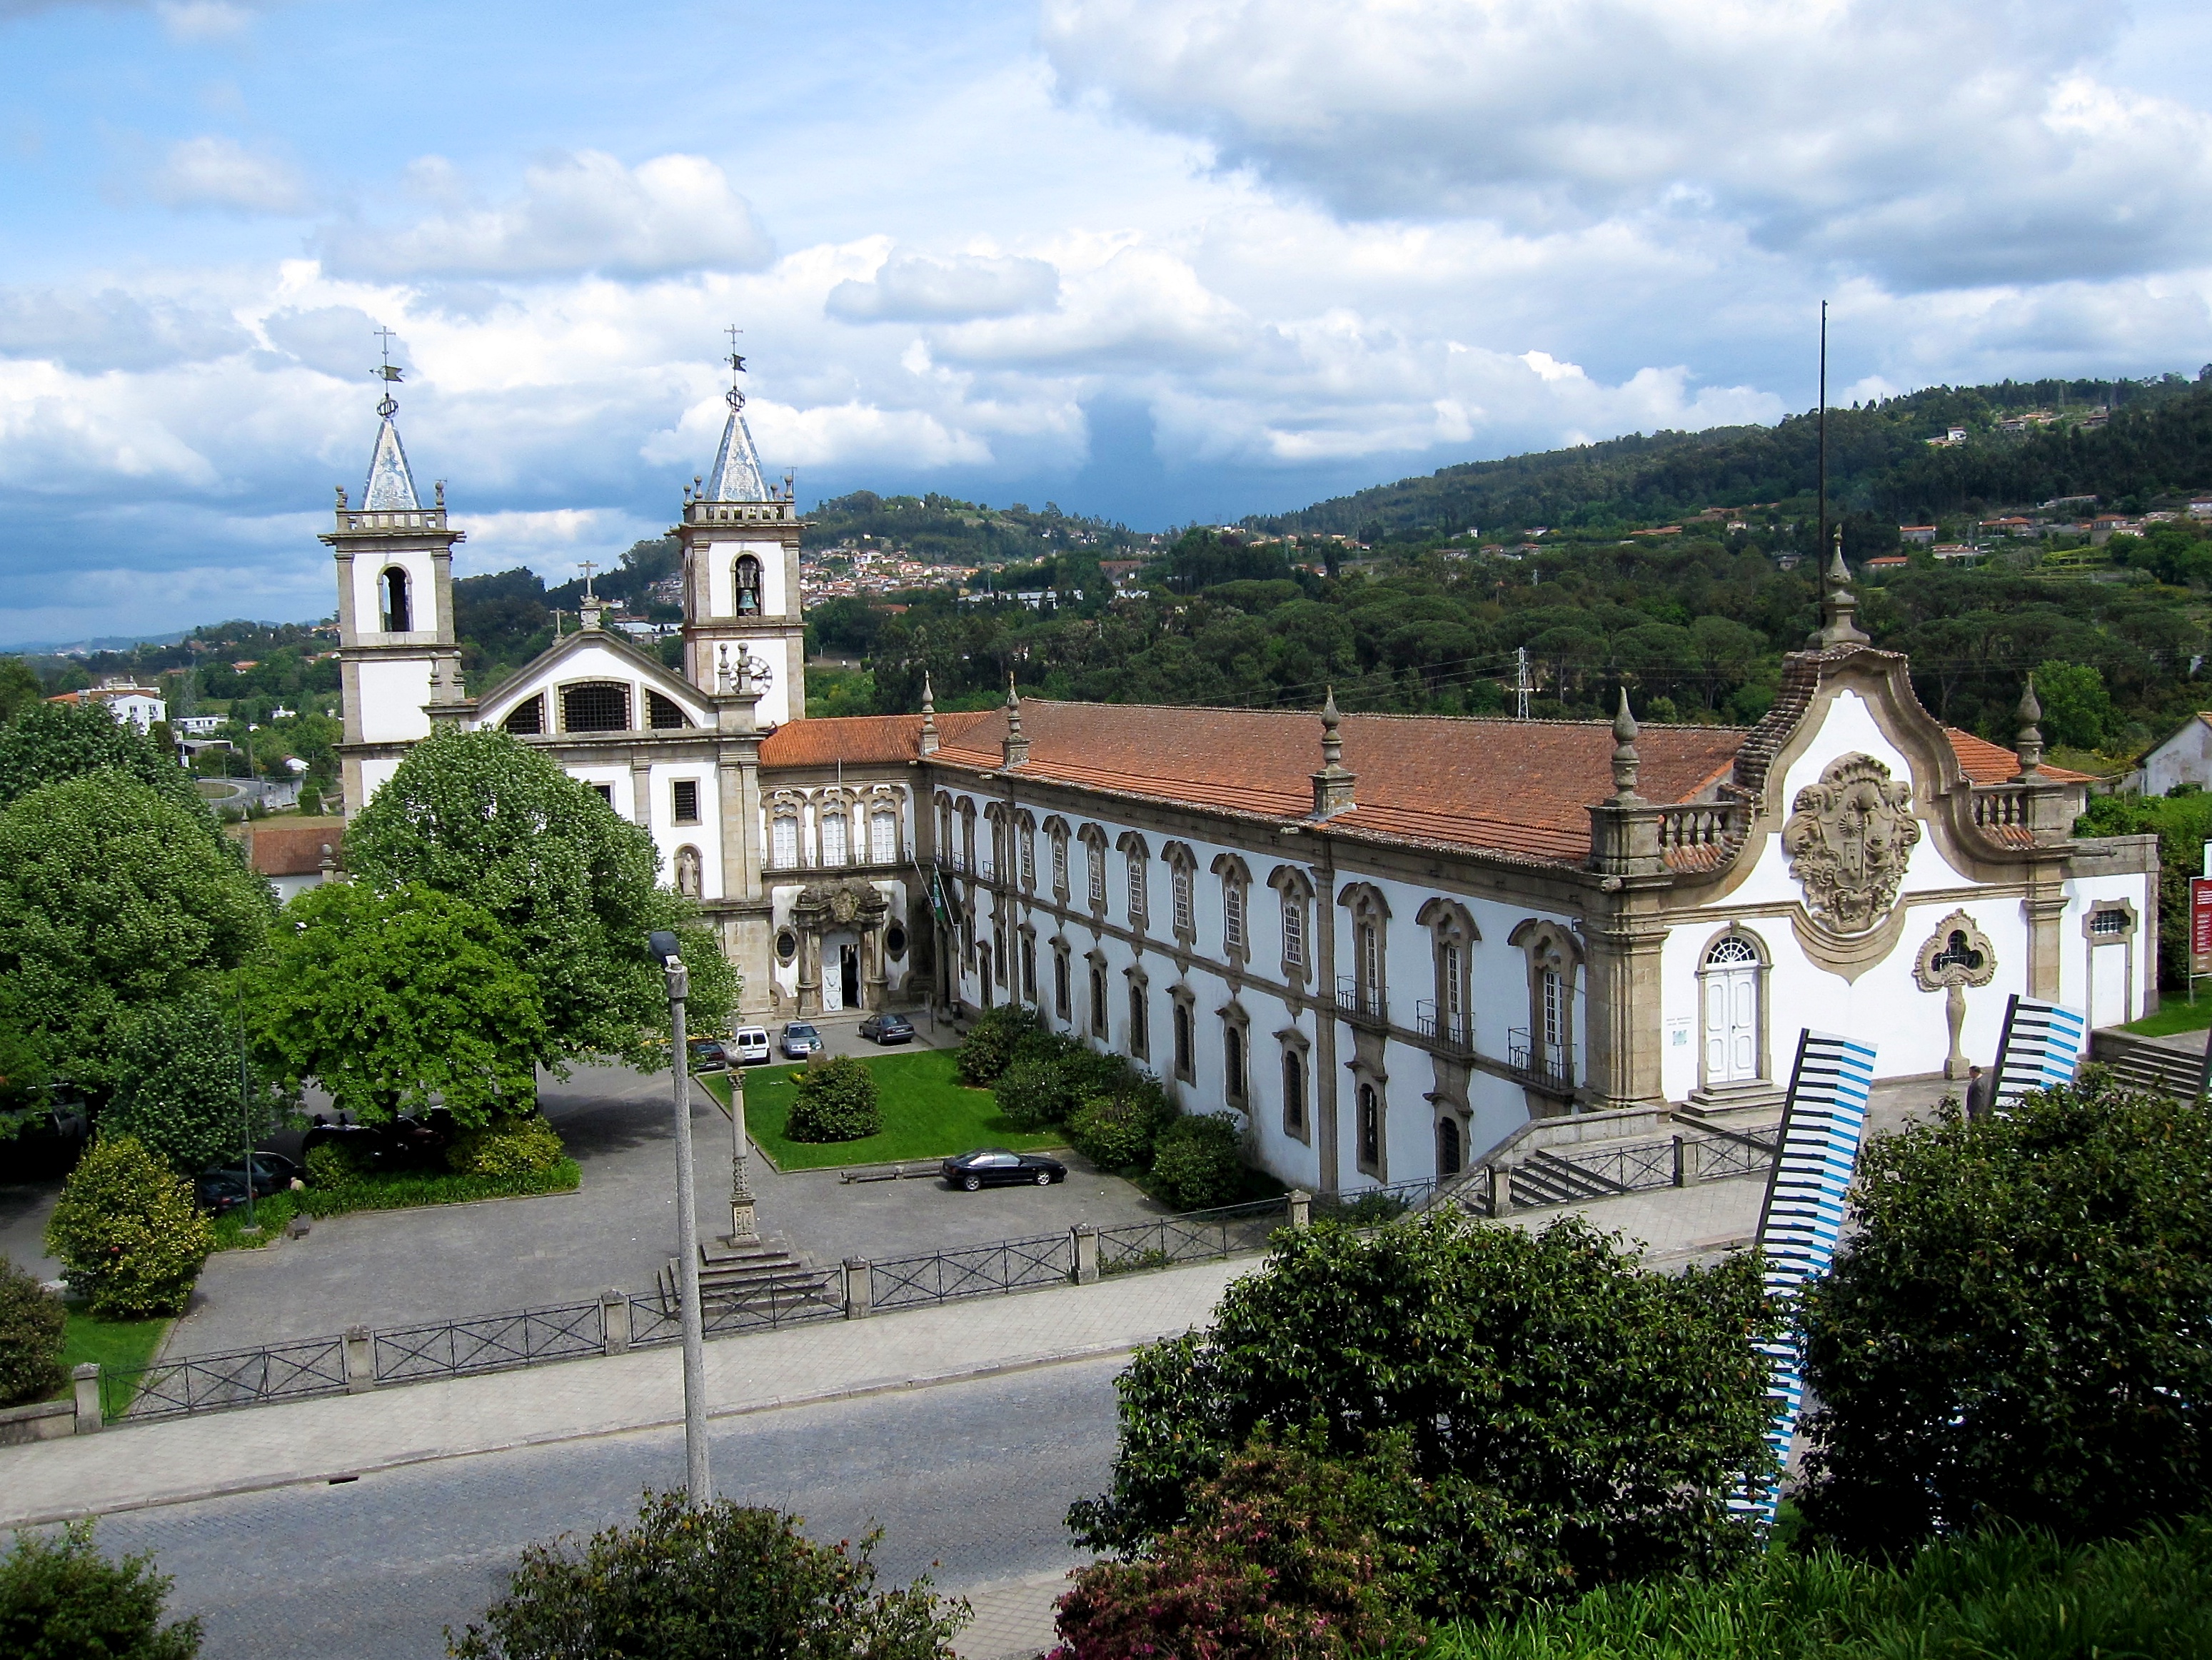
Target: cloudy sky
[1160, 259]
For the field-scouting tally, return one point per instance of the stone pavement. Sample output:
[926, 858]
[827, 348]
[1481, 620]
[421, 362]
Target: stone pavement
[163, 1461]
[1013, 1617]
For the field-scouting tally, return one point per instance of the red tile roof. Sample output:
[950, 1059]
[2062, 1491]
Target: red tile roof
[1993, 763]
[857, 739]
[292, 847]
[1519, 787]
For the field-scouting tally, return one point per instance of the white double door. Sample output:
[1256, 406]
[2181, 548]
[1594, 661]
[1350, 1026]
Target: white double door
[1731, 992]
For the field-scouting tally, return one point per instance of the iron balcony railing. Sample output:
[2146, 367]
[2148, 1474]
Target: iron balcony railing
[1548, 1064]
[1451, 1031]
[1362, 1002]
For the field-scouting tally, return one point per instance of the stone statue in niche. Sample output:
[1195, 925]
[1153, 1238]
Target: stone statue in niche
[688, 881]
[1956, 956]
[1848, 839]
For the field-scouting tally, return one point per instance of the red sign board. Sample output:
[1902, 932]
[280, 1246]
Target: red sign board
[2200, 925]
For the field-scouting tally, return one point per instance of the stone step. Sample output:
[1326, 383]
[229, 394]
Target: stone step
[1543, 1178]
[727, 1272]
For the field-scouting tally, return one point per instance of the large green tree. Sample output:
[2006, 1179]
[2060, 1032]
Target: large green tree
[51, 743]
[20, 688]
[390, 999]
[183, 1088]
[2020, 1327]
[485, 817]
[114, 898]
[1582, 1420]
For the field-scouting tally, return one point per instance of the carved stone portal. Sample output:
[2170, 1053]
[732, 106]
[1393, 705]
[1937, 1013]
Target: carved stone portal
[1847, 839]
[1956, 956]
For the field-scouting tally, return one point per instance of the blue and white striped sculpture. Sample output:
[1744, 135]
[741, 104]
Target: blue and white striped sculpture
[1823, 1124]
[2040, 1050]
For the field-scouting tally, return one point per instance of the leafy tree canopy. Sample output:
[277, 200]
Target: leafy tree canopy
[482, 817]
[60, 1599]
[1593, 1418]
[388, 998]
[2018, 1330]
[178, 1086]
[114, 898]
[48, 743]
[20, 688]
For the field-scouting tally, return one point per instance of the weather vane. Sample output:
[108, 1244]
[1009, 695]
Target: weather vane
[737, 400]
[387, 406]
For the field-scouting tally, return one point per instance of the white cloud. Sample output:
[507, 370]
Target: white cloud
[108, 328]
[579, 212]
[1933, 144]
[212, 172]
[913, 289]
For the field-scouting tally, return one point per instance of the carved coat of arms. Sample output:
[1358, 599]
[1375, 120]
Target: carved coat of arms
[1847, 840]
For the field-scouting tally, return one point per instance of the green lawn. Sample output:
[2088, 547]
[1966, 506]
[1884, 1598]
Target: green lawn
[927, 1113]
[2175, 1014]
[114, 1343]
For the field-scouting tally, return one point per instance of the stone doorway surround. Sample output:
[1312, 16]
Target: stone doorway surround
[823, 909]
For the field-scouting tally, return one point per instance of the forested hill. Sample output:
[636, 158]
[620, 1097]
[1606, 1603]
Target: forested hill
[2155, 442]
[946, 530]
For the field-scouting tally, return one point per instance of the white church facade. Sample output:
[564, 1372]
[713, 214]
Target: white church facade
[1386, 942]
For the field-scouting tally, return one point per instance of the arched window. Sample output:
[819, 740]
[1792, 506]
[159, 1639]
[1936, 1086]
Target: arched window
[527, 718]
[595, 706]
[1098, 863]
[835, 836]
[1062, 999]
[1370, 1128]
[1232, 914]
[1183, 1063]
[1294, 1094]
[783, 843]
[1139, 1038]
[1294, 929]
[1098, 999]
[883, 836]
[1137, 899]
[1184, 922]
[749, 585]
[665, 714]
[1059, 861]
[397, 606]
[1449, 1157]
[1232, 1060]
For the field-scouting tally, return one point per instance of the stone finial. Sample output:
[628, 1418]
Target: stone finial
[1839, 608]
[340, 489]
[928, 717]
[1015, 749]
[1332, 785]
[1625, 763]
[330, 863]
[2029, 743]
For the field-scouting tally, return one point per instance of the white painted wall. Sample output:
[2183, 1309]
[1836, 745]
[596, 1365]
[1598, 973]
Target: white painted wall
[2184, 758]
[393, 691]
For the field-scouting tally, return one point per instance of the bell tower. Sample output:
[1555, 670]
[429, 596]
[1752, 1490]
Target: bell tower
[740, 541]
[396, 650]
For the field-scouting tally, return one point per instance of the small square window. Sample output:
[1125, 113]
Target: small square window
[686, 800]
[606, 793]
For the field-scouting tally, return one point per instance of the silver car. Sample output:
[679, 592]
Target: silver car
[800, 1040]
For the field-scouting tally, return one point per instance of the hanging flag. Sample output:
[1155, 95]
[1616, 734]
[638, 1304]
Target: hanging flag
[1823, 1124]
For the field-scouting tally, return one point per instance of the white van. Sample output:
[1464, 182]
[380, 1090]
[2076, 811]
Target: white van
[749, 1046]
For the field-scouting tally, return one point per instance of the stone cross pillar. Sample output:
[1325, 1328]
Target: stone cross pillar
[744, 1226]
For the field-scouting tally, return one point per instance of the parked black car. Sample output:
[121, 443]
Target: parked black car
[709, 1054]
[406, 1143]
[887, 1029]
[996, 1167]
[223, 1187]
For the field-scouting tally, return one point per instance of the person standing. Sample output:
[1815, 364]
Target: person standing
[1981, 1092]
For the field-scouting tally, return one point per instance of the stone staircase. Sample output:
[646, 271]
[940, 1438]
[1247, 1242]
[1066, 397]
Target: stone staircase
[760, 1267]
[2171, 1066]
[1545, 1178]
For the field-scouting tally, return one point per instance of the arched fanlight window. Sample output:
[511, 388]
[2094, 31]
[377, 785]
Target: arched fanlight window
[398, 605]
[883, 836]
[749, 585]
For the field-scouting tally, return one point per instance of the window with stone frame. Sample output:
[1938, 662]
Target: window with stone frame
[1140, 1032]
[883, 836]
[1452, 933]
[1368, 1130]
[783, 842]
[1095, 861]
[1063, 1000]
[683, 800]
[836, 834]
[1098, 1018]
[1294, 930]
[748, 578]
[527, 718]
[1293, 895]
[1133, 852]
[398, 607]
[968, 836]
[1236, 1083]
[1294, 1092]
[1546, 1047]
[1060, 862]
[1186, 1045]
[1186, 919]
[663, 713]
[595, 706]
[1026, 837]
[1368, 982]
[948, 850]
[998, 951]
[1232, 914]
[1028, 967]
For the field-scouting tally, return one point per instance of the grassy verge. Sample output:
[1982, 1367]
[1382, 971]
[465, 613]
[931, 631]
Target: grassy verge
[2176, 1014]
[117, 1345]
[927, 1113]
[2008, 1597]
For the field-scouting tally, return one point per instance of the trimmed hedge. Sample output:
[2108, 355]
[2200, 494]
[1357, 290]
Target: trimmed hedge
[992, 1040]
[507, 1146]
[1116, 1132]
[32, 1323]
[431, 1187]
[836, 1101]
[127, 1228]
[1196, 1161]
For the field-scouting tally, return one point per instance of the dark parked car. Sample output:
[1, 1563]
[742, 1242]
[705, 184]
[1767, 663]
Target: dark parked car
[406, 1143]
[709, 1054]
[996, 1167]
[887, 1029]
[223, 1187]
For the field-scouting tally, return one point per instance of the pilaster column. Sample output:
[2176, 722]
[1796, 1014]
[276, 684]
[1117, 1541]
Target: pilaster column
[1621, 969]
[641, 790]
[2043, 907]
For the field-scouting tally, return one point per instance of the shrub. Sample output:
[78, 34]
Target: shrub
[178, 1088]
[703, 1583]
[32, 1321]
[1033, 1095]
[1287, 1555]
[836, 1101]
[2018, 1329]
[1196, 1163]
[992, 1042]
[506, 1146]
[330, 1167]
[127, 1229]
[1115, 1132]
[1577, 1420]
[60, 1599]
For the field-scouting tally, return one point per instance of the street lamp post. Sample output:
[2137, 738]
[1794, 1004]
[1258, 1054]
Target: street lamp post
[699, 1488]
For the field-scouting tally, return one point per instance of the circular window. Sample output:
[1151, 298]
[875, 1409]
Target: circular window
[786, 946]
[895, 942]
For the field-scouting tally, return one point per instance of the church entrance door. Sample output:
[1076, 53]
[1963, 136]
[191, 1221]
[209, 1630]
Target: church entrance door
[1731, 986]
[840, 972]
[848, 974]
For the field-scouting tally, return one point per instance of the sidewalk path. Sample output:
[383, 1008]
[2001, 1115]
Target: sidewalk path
[129, 1466]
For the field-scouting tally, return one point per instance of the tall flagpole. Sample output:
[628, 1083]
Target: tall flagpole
[1820, 549]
